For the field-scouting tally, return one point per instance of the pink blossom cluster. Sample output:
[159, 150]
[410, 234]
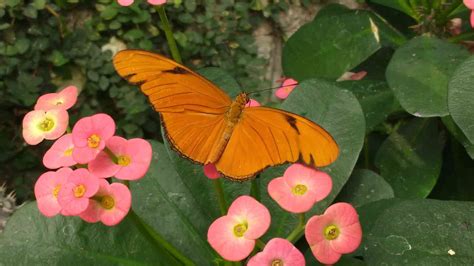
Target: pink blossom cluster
[335, 232]
[470, 4]
[82, 161]
[151, 2]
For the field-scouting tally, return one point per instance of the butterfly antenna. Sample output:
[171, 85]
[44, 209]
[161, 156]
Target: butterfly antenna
[281, 86]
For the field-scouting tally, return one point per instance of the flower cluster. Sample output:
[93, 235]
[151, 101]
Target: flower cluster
[82, 161]
[329, 235]
[470, 4]
[151, 2]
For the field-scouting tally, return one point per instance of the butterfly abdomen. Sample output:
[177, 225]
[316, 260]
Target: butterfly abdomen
[231, 119]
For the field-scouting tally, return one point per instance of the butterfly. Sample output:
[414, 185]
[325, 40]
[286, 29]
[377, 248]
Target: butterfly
[202, 123]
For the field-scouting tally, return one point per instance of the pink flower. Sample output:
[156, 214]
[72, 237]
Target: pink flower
[47, 188]
[252, 103]
[133, 158]
[233, 235]
[60, 154]
[39, 125]
[151, 2]
[89, 136]
[278, 251]
[300, 188]
[210, 171]
[469, 4]
[336, 232]
[110, 205]
[74, 196]
[286, 88]
[64, 99]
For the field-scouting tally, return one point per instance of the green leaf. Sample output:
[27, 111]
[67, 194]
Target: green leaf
[461, 98]
[459, 135]
[375, 97]
[419, 72]
[365, 186]
[330, 45]
[410, 158]
[401, 5]
[337, 111]
[109, 12]
[418, 232]
[30, 11]
[133, 34]
[170, 202]
[57, 58]
[39, 4]
[32, 239]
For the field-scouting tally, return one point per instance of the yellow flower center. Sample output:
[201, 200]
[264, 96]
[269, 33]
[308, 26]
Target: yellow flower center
[79, 191]
[46, 125]
[240, 229]
[277, 262]
[107, 202]
[93, 141]
[56, 190]
[123, 160]
[68, 152]
[331, 232]
[299, 190]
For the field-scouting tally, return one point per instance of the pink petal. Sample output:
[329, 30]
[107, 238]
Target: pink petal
[281, 192]
[61, 121]
[314, 229]
[103, 166]
[324, 253]
[256, 214]
[210, 171]
[117, 145]
[104, 125]
[472, 19]
[69, 96]
[81, 131]
[64, 99]
[91, 214]
[71, 204]
[57, 156]
[252, 103]
[358, 76]
[348, 240]
[48, 205]
[140, 153]
[44, 188]
[343, 214]
[223, 240]
[46, 102]
[31, 133]
[286, 88]
[84, 155]
[278, 249]
[469, 4]
[125, 2]
[156, 2]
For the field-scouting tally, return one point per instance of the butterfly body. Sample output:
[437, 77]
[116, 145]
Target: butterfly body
[203, 124]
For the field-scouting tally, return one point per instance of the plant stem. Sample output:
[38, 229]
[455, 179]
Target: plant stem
[157, 239]
[260, 244]
[254, 188]
[220, 195]
[111, 155]
[169, 34]
[295, 234]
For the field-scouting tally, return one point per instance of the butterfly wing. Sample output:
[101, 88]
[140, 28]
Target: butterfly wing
[266, 137]
[192, 108]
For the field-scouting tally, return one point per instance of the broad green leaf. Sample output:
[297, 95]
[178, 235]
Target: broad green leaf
[32, 239]
[459, 135]
[365, 186]
[339, 112]
[417, 232]
[401, 5]
[172, 204]
[419, 73]
[375, 97]
[461, 98]
[410, 158]
[330, 45]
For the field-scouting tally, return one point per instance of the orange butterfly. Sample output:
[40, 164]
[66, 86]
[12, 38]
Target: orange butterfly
[203, 124]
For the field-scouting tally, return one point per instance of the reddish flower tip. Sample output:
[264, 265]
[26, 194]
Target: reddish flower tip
[210, 171]
[286, 88]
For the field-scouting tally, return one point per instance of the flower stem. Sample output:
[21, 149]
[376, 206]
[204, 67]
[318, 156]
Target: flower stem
[255, 189]
[157, 239]
[169, 34]
[260, 244]
[111, 155]
[296, 233]
[220, 195]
